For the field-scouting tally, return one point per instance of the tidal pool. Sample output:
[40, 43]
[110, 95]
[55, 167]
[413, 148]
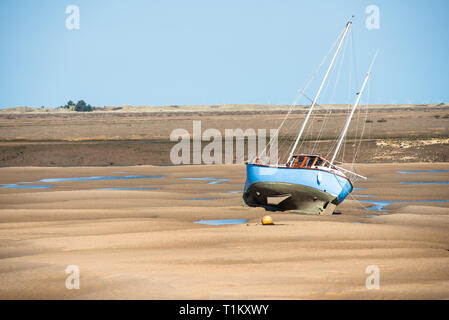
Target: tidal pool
[222, 222]
[30, 185]
[136, 188]
[96, 178]
[212, 180]
[18, 186]
[363, 195]
[379, 205]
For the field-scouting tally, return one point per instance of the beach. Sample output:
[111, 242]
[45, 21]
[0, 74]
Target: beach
[131, 231]
[218, 158]
[141, 135]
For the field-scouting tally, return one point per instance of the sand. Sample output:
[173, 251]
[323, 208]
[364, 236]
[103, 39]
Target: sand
[140, 136]
[144, 245]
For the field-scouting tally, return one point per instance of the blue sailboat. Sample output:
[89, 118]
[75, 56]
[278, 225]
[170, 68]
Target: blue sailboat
[307, 183]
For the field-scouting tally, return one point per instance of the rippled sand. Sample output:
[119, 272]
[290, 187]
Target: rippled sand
[143, 244]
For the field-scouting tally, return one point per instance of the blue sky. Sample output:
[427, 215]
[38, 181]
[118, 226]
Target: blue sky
[158, 52]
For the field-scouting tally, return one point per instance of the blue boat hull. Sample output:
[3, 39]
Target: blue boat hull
[303, 189]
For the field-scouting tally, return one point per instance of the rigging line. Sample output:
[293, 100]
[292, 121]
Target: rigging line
[356, 74]
[284, 140]
[348, 106]
[357, 140]
[368, 96]
[308, 141]
[348, 25]
[282, 123]
[290, 141]
[334, 72]
[350, 89]
[361, 135]
[370, 123]
[363, 124]
[308, 98]
[340, 67]
[275, 136]
[309, 136]
[353, 198]
[323, 61]
[357, 122]
[316, 72]
[333, 144]
[344, 150]
[321, 130]
[298, 96]
[358, 202]
[341, 62]
[307, 131]
[324, 121]
[348, 120]
[308, 83]
[349, 96]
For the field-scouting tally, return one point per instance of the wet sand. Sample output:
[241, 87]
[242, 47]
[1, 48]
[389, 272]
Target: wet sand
[140, 136]
[143, 244]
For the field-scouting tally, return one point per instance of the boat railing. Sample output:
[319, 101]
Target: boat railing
[325, 165]
[346, 170]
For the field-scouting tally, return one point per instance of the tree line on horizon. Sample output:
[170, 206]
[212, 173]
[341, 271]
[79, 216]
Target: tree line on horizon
[80, 106]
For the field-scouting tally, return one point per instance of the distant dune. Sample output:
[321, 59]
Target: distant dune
[219, 108]
[126, 135]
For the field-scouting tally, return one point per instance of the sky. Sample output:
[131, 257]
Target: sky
[196, 52]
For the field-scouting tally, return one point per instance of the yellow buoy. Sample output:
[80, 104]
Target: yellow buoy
[267, 220]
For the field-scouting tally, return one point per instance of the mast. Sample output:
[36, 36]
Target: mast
[348, 121]
[319, 90]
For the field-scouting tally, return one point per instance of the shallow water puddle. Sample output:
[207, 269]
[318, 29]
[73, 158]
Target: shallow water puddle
[379, 205]
[135, 188]
[212, 180]
[96, 178]
[26, 186]
[425, 171]
[222, 222]
[236, 191]
[363, 195]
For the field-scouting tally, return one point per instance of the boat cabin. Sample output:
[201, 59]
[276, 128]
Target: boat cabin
[308, 161]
